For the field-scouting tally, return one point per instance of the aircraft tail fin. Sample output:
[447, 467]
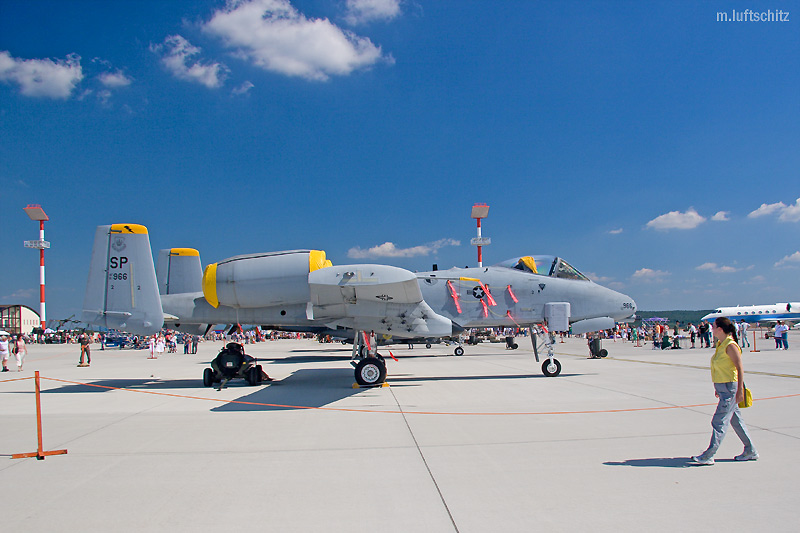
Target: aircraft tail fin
[122, 291]
[179, 271]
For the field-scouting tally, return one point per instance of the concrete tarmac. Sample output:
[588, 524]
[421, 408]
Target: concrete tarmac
[482, 442]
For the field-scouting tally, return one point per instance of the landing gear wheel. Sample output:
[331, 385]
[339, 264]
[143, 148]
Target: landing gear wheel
[208, 377]
[459, 350]
[603, 352]
[370, 371]
[551, 370]
[252, 376]
[428, 346]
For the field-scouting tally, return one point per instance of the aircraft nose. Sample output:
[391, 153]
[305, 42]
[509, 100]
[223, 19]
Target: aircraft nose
[627, 306]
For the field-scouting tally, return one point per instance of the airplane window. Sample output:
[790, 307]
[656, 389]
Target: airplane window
[739, 313]
[546, 265]
[543, 263]
[567, 271]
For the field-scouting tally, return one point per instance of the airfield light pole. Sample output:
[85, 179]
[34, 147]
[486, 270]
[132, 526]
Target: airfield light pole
[480, 211]
[35, 212]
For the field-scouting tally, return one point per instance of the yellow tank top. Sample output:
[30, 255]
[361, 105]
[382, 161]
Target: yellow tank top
[722, 368]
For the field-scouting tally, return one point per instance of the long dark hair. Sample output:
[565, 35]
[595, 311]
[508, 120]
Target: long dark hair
[727, 326]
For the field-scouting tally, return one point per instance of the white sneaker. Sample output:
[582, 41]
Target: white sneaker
[699, 459]
[747, 456]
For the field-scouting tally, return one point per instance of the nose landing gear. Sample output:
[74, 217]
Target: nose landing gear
[551, 367]
[370, 367]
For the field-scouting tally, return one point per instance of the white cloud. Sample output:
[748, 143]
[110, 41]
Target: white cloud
[274, 36]
[42, 77]
[616, 231]
[648, 274]
[721, 216]
[113, 80]
[388, 249]
[104, 96]
[789, 261]
[767, 209]
[677, 220]
[597, 278]
[176, 54]
[20, 294]
[791, 213]
[243, 88]
[786, 213]
[364, 11]
[717, 269]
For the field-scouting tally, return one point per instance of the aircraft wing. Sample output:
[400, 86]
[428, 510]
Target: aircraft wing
[378, 298]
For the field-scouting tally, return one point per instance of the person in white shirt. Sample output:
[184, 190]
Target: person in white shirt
[743, 335]
[4, 351]
[20, 351]
[779, 331]
[785, 336]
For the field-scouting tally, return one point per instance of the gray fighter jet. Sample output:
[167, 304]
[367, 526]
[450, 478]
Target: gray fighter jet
[301, 290]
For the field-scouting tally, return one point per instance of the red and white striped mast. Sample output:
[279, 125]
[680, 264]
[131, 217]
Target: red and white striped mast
[480, 211]
[35, 212]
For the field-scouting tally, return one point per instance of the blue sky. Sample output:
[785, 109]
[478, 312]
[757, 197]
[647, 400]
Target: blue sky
[653, 147]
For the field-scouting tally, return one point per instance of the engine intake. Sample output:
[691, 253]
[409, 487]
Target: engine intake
[261, 280]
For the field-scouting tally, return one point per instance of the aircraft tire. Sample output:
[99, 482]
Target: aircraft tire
[428, 346]
[551, 372]
[370, 371]
[459, 350]
[208, 377]
[252, 376]
[603, 353]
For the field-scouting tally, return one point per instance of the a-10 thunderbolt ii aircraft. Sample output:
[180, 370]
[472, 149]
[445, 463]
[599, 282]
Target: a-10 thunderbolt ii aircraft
[300, 290]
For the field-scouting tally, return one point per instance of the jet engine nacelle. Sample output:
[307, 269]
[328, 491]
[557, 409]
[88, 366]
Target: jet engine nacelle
[262, 280]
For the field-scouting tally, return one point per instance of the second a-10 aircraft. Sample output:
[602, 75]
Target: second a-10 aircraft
[301, 290]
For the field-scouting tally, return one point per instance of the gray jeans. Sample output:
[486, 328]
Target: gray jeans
[727, 413]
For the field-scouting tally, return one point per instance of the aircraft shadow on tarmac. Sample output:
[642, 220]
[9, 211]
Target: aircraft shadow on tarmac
[328, 357]
[321, 358]
[106, 385]
[309, 387]
[396, 379]
[656, 462]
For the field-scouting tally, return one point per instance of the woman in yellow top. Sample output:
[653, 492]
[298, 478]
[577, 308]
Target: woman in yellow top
[727, 375]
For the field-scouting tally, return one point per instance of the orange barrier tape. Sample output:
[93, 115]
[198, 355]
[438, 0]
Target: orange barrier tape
[397, 412]
[15, 379]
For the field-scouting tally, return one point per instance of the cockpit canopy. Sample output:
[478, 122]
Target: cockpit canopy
[545, 265]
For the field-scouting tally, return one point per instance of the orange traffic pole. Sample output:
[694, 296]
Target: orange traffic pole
[754, 343]
[40, 454]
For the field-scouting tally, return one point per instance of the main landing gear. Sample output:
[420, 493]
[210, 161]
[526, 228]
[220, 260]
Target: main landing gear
[370, 367]
[551, 367]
